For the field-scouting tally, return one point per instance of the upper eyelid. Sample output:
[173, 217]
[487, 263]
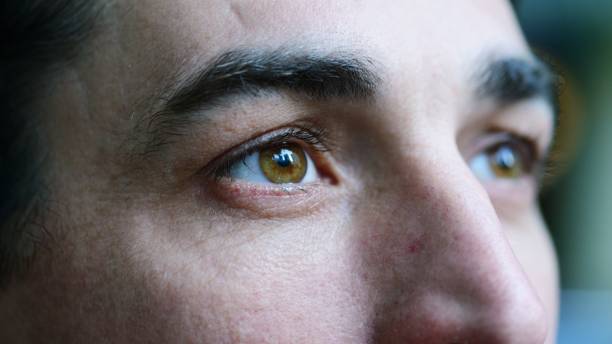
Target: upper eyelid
[532, 121]
[286, 135]
[538, 150]
[496, 137]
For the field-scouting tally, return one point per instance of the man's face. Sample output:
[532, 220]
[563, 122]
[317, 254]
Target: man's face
[410, 215]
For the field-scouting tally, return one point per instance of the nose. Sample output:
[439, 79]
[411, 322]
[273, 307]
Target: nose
[447, 273]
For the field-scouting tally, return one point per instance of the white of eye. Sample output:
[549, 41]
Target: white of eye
[481, 167]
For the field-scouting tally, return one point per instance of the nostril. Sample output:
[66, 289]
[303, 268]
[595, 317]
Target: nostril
[521, 319]
[516, 318]
[533, 322]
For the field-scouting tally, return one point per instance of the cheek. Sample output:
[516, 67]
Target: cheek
[260, 283]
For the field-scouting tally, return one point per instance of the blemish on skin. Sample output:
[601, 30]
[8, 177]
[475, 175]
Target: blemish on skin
[416, 246]
[238, 13]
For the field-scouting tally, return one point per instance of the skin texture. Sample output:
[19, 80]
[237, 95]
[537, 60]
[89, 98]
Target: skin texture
[407, 245]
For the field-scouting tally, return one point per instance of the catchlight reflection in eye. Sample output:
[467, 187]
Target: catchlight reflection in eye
[278, 164]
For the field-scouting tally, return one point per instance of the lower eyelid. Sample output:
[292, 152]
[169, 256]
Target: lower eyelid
[512, 194]
[272, 201]
[239, 188]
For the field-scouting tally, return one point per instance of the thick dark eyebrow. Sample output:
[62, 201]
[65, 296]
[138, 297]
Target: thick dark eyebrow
[511, 80]
[249, 72]
[246, 71]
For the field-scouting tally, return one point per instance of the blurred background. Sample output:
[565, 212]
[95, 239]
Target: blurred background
[575, 36]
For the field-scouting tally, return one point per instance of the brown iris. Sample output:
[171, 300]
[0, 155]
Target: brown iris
[284, 163]
[506, 163]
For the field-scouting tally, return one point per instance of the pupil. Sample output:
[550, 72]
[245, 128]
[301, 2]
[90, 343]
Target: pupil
[284, 158]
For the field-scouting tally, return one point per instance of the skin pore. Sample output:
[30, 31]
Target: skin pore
[401, 235]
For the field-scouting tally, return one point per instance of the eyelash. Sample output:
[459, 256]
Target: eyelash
[315, 139]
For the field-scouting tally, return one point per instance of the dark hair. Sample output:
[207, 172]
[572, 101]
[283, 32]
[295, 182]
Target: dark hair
[37, 37]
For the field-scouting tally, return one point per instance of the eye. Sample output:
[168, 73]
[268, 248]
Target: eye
[284, 156]
[286, 163]
[510, 160]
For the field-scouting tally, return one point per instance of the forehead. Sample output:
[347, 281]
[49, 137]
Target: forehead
[393, 32]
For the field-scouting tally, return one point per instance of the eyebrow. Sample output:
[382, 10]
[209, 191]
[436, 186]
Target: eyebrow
[511, 80]
[237, 72]
[250, 72]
